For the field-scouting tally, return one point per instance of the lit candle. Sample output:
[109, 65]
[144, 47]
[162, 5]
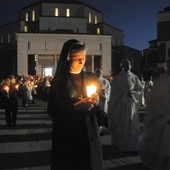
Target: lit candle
[17, 86]
[6, 88]
[91, 90]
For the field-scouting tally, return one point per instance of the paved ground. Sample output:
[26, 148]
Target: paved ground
[27, 146]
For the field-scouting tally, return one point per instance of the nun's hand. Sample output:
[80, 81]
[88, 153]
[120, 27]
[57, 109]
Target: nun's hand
[84, 104]
[95, 99]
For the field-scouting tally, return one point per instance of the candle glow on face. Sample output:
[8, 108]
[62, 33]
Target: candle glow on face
[91, 89]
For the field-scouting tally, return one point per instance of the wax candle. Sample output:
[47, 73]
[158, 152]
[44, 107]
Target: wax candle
[91, 89]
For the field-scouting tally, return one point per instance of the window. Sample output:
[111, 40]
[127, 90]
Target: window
[29, 45]
[98, 30]
[89, 17]
[56, 12]
[100, 47]
[25, 28]
[2, 39]
[26, 16]
[67, 12]
[9, 38]
[16, 36]
[33, 15]
[168, 52]
[95, 19]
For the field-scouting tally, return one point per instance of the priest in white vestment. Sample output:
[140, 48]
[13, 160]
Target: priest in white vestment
[123, 119]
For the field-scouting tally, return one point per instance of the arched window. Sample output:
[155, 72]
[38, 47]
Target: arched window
[95, 19]
[89, 17]
[98, 30]
[33, 15]
[56, 12]
[25, 28]
[68, 12]
[26, 16]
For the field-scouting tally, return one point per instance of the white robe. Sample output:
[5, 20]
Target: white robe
[143, 94]
[123, 119]
[106, 88]
[155, 140]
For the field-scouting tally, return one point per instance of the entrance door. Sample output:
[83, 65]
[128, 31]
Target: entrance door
[47, 70]
[46, 65]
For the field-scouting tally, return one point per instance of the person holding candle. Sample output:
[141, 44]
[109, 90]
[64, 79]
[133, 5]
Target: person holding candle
[9, 97]
[75, 136]
[123, 120]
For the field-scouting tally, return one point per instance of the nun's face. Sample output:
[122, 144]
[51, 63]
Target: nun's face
[77, 61]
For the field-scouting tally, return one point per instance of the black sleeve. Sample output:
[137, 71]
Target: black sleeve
[59, 104]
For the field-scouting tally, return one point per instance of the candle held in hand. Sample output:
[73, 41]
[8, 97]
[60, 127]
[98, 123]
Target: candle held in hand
[6, 88]
[91, 90]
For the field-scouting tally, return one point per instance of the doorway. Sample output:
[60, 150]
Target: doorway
[47, 71]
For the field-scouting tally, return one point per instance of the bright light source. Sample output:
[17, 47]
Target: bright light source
[91, 90]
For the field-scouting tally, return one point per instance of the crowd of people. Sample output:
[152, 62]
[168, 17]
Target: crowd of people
[79, 116]
[26, 88]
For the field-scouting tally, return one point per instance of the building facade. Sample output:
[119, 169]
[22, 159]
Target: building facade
[163, 36]
[43, 27]
[38, 53]
[154, 58]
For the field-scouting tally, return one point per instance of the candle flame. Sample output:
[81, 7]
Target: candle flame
[91, 90]
[6, 88]
[17, 86]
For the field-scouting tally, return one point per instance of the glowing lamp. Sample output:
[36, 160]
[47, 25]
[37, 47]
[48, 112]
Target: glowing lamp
[91, 90]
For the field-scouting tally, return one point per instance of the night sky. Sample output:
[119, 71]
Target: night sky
[137, 18]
